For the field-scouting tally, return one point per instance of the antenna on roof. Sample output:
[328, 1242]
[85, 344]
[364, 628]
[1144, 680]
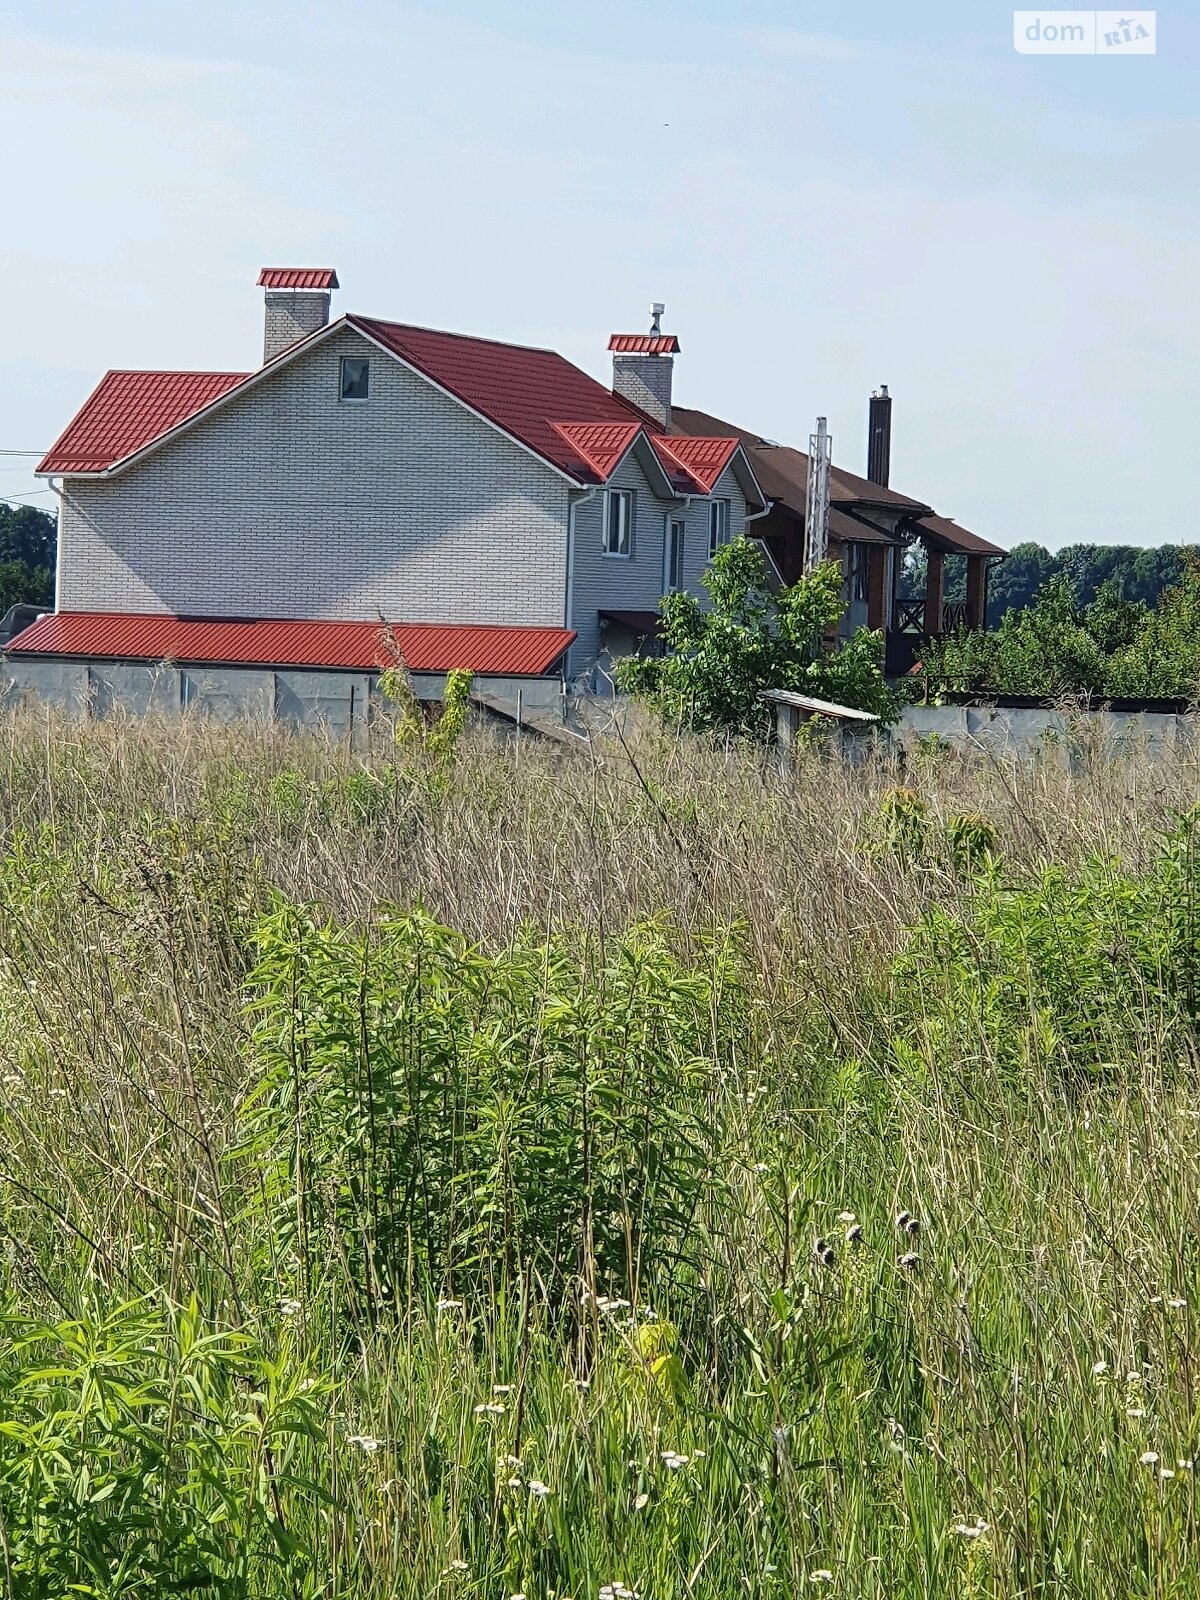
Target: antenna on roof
[656, 311]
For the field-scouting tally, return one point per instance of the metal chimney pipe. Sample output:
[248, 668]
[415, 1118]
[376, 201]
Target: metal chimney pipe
[879, 438]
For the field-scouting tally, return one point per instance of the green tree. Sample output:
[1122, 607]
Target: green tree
[721, 657]
[1112, 647]
[27, 551]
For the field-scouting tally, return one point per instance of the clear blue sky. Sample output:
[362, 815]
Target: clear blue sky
[827, 198]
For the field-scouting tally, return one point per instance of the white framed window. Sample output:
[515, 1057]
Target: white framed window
[618, 522]
[718, 525]
[673, 555]
[354, 378]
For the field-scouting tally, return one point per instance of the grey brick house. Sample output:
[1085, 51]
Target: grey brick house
[474, 492]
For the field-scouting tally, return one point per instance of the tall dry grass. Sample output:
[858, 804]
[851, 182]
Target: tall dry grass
[387, 1412]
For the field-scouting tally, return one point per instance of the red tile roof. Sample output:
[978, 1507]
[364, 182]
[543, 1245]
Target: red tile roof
[705, 459]
[127, 410]
[535, 396]
[298, 278]
[270, 642]
[644, 344]
[600, 444]
[523, 390]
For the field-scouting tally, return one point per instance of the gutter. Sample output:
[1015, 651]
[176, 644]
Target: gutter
[569, 595]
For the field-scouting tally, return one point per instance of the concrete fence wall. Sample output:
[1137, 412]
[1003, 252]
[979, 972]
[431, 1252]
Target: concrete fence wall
[1027, 731]
[339, 703]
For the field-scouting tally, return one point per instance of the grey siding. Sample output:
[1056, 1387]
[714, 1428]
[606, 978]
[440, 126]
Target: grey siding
[291, 503]
[635, 583]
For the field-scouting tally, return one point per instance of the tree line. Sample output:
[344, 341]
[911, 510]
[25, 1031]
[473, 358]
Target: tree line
[27, 550]
[1135, 573]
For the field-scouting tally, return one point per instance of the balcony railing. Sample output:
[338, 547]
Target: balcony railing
[909, 617]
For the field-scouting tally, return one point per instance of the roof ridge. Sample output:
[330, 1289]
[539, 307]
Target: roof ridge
[449, 333]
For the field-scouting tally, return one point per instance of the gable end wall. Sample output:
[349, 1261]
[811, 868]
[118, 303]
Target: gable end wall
[292, 503]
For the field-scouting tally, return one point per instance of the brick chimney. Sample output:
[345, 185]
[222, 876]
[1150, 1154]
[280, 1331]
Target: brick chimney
[642, 365]
[879, 438]
[297, 304]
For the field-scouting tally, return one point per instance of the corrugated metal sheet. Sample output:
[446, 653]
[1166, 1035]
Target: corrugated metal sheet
[704, 459]
[644, 344]
[600, 444]
[298, 278]
[271, 642]
[127, 410]
[522, 390]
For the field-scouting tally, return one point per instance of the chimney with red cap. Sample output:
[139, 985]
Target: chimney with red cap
[297, 304]
[642, 367]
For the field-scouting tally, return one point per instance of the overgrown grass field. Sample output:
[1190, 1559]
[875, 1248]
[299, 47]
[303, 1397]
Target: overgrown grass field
[503, 1173]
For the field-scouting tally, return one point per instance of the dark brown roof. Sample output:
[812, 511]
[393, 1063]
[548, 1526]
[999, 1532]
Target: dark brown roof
[783, 472]
[943, 533]
[850, 530]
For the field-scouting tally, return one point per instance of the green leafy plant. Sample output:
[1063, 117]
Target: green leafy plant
[1056, 648]
[720, 657]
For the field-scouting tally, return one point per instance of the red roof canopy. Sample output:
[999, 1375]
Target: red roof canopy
[277, 642]
[298, 278]
[644, 344]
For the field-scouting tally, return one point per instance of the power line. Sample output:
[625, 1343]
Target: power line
[22, 452]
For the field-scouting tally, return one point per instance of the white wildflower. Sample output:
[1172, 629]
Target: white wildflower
[290, 1308]
[761, 1166]
[1133, 1377]
[1099, 1368]
[1134, 1412]
[493, 1408]
[1165, 1472]
[821, 1575]
[971, 1530]
[502, 1388]
[1148, 1458]
[672, 1460]
[1177, 1305]
[847, 1216]
[455, 1566]
[1184, 1466]
[641, 1502]
[365, 1443]
[537, 1488]
[449, 1305]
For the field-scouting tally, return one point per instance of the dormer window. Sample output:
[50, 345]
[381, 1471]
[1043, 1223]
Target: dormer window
[355, 378]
